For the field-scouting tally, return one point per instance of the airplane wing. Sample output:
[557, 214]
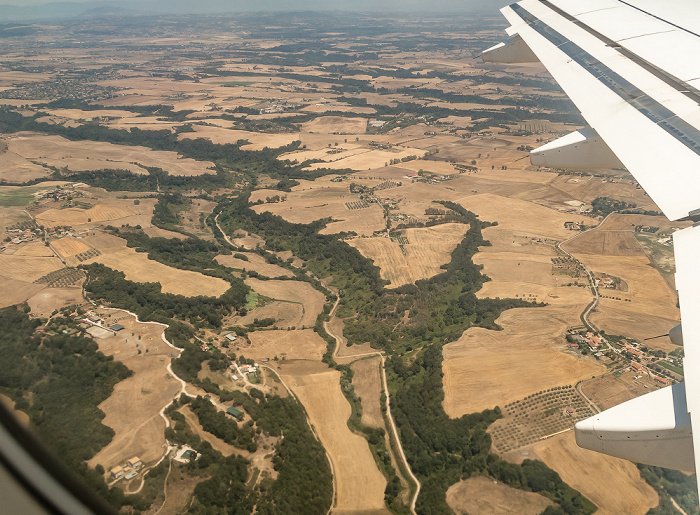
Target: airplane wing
[632, 68]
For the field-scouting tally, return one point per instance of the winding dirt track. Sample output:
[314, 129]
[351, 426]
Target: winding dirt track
[394, 431]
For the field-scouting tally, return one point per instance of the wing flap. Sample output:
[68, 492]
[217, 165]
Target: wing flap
[648, 124]
[686, 247]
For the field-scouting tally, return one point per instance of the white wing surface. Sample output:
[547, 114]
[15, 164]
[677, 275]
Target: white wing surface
[632, 67]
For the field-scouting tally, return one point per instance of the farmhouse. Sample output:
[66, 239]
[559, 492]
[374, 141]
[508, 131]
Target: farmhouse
[637, 367]
[134, 462]
[635, 352]
[117, 472]
[237, 414]
[662, 380]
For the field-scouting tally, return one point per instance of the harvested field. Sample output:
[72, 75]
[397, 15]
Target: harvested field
[368, 386]
[308, 203]
[257, 140]
[157, 232]
[588, 188]
[605, 242]
[255, 263]
[336, 125]
[16, 169]
[69, 246]
[27, 268]
[622, 222]
[359, 484]
[651, 307]
[297, 292]
[427, 249]
[301, 344]
[247, 241]
[34, 249]
[524, 358]
[286, 314]
[60, 152]
[46, 301]
[614, 485]
[484, 496]
[610, 390]
[16, 292]
[370, 159]
[75, 216]
[519, 215]
[133, 409]
[137, 267]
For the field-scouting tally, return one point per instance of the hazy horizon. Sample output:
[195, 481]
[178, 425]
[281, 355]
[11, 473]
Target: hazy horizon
[208, 6]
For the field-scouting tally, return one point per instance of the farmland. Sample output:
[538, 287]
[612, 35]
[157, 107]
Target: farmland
[330, 195]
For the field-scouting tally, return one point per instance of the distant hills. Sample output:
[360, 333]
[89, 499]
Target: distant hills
[53, 11]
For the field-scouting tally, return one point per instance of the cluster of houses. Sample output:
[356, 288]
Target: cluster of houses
[574, 226]
[249, 369]
[93, 319]
[605, 282]
[128, 470]
[627, 346]
[18, 236]
[590, 339]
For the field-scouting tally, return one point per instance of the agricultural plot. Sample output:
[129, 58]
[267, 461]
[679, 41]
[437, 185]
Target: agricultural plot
[289, 345]
[519, 215]
[486, 496]
[613, 389]
[538, 416]
[614, 485]
[68, 246]
[287, 315]
[336, 125]
[95, 215]
[359, 484]
[525, 358]
[27, 268]
[309, 202]
[256, 140]
[357, 204]
[15, 291]
[651, 308]
[16, 169]
[429, 248]
[368, 386]
[63, 277]
[137, 267]
[296, 292]
[255, 263]
[48, 300]
[89, 155]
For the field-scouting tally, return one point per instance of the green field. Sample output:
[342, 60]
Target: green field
[672, 368]
[12, 197]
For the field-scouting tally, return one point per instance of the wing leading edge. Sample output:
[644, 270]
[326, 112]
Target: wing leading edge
[634, 76]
